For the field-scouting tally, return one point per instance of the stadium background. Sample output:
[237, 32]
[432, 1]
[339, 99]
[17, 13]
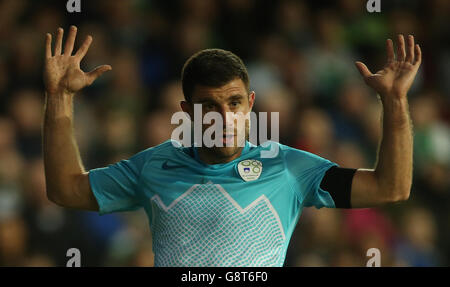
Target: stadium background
[300, 56]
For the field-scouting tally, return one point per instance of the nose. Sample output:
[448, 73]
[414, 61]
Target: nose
[227, 117]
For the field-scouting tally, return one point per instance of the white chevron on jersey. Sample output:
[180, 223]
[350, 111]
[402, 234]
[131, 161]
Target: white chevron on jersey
[205, 226]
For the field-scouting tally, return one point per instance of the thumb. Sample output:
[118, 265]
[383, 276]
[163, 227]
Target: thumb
[363, 70]
[97, 72]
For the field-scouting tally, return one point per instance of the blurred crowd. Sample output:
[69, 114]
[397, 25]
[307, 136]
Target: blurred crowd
[300, 57]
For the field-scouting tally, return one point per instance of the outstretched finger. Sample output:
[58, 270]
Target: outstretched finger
[363, 70]
[68, 48]
[48, 46]
[58, 43]
[390, 50]
[418, 55]
[84, 48]
[401, 54]
[97, 72]
[410, 49]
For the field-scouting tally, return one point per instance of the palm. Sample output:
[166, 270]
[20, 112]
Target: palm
[62, 72]
[398, 74]
[65, 73]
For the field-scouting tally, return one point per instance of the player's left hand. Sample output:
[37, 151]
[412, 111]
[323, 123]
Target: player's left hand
[398, 74]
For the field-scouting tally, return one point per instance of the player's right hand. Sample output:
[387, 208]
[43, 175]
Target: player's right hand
[62, 73]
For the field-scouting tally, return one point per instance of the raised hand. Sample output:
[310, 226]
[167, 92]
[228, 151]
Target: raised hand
[62, 71]
[398, 74]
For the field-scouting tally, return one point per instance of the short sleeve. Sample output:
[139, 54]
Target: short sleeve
[116, 187]
[306, 171]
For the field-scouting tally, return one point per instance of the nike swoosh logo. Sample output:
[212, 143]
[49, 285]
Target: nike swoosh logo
[166, 166]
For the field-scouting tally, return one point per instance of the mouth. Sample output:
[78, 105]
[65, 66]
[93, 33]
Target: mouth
[228, 139]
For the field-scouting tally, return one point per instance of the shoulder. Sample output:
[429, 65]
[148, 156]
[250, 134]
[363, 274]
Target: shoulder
[273, 149]
[294, 153]
[293, 160]
[164, 149]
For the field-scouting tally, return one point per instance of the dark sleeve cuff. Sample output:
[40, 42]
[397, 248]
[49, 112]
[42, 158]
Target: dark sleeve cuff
[337, 181]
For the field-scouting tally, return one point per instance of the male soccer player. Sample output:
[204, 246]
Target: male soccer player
[222, 206]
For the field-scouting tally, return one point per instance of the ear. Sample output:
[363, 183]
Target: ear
[187, 108]
[251, 100]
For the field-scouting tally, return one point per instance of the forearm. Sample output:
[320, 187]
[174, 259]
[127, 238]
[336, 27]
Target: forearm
[61, 155]
[395, 157]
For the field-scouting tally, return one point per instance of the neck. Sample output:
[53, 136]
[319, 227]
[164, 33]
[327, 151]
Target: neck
[210, 156]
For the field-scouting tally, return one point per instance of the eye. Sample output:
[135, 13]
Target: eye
[208, 106]
[235, 103]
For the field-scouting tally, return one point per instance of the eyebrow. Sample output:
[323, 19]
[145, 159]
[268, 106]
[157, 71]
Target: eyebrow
[209, 100]
[201, 101]
[236, 97]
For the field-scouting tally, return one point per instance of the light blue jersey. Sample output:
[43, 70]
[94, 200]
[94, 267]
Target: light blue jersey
[215, 215]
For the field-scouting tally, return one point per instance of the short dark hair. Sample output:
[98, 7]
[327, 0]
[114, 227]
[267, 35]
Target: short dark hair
[213, 68]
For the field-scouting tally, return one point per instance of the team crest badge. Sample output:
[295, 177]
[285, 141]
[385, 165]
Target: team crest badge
[250, 169]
